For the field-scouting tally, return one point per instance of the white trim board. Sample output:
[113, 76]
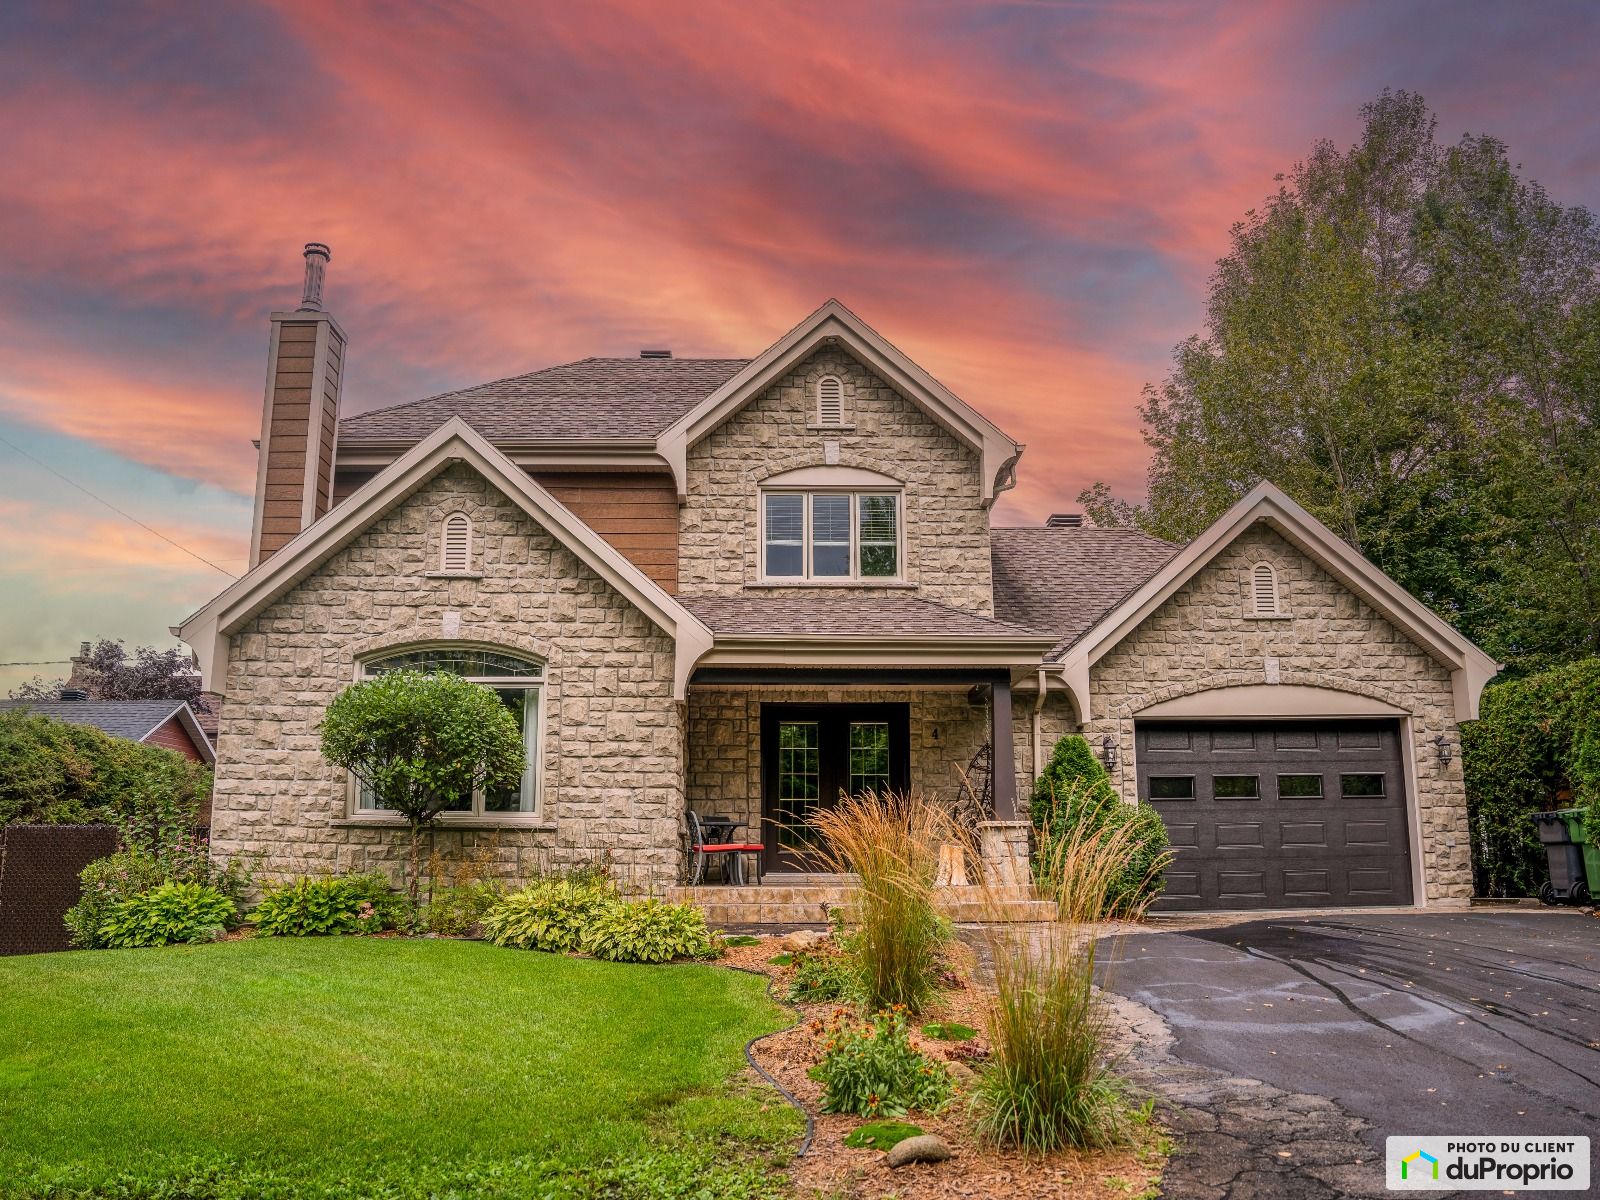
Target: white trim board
[209, 630]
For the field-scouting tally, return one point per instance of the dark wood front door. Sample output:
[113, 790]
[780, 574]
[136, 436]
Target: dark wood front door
[1286, 814]
[814, 753]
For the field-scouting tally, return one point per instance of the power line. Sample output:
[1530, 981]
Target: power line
[49, 662]
[120, 513]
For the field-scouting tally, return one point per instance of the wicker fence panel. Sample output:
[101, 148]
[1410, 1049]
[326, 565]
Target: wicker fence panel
[39, 866]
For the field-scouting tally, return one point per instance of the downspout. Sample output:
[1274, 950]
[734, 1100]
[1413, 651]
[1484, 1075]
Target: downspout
[1038, 725]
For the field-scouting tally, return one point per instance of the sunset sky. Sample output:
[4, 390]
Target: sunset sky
[1027, 198]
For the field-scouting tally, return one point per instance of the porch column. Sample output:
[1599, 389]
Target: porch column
[1005, 750]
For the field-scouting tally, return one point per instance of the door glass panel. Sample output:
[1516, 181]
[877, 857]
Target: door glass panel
[1300, 787]
[799, 782]
[1360, 786]
[869, 756]
[1172, 787]
[1236, 787]
[830, 535]
[786, 532]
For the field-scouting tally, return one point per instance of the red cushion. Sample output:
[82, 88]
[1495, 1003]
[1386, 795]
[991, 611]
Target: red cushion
[747, 847]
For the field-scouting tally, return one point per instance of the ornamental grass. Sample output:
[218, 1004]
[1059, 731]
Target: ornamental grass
[891, 843]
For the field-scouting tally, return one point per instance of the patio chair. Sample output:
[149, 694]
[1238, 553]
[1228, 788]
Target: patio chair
[702, 851]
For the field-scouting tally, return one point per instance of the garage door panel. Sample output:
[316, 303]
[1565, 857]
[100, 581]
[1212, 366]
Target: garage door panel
[1279, 814]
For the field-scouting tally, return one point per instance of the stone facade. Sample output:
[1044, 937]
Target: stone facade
[612, 776]
[946, 525]
[1201, 639]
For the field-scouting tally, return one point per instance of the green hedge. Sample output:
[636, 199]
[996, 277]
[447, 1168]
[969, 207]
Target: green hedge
[1535, 747]
[61, 774]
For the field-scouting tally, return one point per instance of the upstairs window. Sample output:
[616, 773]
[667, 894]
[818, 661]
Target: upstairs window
[1263, 600]
[830, 535]
[830, 400]
[455, 544]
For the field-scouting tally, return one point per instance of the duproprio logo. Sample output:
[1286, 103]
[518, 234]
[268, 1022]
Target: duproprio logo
[1414, 1157]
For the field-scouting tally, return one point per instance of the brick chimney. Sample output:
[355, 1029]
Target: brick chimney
[299, 417]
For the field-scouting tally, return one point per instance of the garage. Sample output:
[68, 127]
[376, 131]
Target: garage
[1281, 814]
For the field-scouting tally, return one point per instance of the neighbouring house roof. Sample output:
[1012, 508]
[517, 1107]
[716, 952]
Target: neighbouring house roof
[595, 399]
[134, 720]
[1063, 580]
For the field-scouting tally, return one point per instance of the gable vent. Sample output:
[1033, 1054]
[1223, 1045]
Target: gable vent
[830, 401]
[655, 352]
[1264, 590]
[1064, 521]
[456, 552]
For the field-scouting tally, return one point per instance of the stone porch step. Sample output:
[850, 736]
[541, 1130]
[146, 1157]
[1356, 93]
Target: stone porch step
[808, 904]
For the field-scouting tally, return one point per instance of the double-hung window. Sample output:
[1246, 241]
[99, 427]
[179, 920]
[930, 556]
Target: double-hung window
[517, 682]
[830, 535]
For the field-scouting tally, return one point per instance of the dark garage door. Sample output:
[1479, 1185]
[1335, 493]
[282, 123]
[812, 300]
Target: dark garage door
[1280, 814]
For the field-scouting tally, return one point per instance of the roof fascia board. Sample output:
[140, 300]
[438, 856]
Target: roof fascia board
[1470, 667]
[453, 441]
[834, 320]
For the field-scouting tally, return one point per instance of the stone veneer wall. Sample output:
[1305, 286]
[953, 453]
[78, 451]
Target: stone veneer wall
[611, 756]
[946, 525]
[1201, 639]
[724, 752]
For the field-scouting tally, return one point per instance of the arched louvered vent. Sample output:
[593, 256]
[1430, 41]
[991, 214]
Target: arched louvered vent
[830, 401]
[1264, 591]
[455, 552]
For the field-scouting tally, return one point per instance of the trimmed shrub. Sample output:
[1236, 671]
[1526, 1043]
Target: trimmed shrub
[317, 907]
[648, 931]
[1535, 747]
[1075, 791]
[874, 1069]
[172, 912]
[551, 915]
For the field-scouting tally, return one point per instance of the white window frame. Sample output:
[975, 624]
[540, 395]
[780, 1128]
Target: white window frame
[533, 740]
[444, 544]
[807, 578]
[1252, 608]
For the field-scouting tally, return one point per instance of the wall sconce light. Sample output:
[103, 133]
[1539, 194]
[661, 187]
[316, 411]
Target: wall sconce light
[1108, 752]
[1444, 748]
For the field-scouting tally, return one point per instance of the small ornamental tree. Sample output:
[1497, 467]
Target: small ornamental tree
[423, 744]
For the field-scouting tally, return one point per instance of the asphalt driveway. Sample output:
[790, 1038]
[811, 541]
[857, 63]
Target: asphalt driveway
[1477, 1022]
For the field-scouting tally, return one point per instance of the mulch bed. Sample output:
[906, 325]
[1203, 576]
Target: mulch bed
[832, 1169]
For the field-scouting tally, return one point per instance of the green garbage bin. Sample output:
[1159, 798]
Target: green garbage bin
[1590, 846]
[1568, 883]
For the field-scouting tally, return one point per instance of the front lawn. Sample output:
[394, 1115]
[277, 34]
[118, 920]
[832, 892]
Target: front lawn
[380, 1067]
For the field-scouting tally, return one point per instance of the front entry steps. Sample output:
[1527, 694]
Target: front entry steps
[792, 902]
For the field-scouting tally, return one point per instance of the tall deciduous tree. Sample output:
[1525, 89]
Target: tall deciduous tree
[1405, 338]
[108, 673]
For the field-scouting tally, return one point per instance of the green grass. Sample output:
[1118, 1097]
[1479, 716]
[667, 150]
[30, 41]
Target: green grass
[328, 1066]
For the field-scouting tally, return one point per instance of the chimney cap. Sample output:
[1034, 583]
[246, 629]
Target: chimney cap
[317, 256]
[83, 649]
[318, 248]
[1064, 521]
[655, 352]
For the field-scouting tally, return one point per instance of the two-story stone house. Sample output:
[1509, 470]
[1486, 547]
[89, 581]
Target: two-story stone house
[744, 587]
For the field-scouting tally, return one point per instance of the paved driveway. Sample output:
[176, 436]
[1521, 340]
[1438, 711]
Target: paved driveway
[1478, 1022]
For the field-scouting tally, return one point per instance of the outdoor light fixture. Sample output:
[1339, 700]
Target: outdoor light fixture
[1444, 749]
[1108, 753]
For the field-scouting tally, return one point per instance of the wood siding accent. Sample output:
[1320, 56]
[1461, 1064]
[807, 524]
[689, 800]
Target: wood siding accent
[637, 512]
[300, 428]
[171, 735]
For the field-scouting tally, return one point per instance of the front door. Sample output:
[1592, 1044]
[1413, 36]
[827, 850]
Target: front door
[813, 754]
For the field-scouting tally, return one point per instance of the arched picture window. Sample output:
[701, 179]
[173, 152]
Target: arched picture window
[455, 544]
[518, 681]
[830, 400]
[1264, 591]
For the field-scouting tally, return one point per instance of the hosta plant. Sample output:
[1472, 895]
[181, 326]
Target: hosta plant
[648, 931]
[314, 907]
[173, 912]
[552, 915]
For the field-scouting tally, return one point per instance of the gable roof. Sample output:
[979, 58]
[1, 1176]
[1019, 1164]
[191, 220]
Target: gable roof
[1470, 668]
[594, 399]
[134, 720]
[1065, 579]
[209, 629]
[834, 324]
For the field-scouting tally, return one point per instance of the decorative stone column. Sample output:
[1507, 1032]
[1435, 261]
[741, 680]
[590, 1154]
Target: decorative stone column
[1004, 845]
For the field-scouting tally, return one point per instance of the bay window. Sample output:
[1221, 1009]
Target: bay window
[830, 535]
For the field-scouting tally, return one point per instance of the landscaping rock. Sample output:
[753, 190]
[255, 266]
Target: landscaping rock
[802, 939]
[923, 1148]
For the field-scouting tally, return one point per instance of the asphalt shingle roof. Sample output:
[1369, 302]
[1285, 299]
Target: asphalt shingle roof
[1065, 580]
[836, 613]
[623, 398]
[131, 719]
